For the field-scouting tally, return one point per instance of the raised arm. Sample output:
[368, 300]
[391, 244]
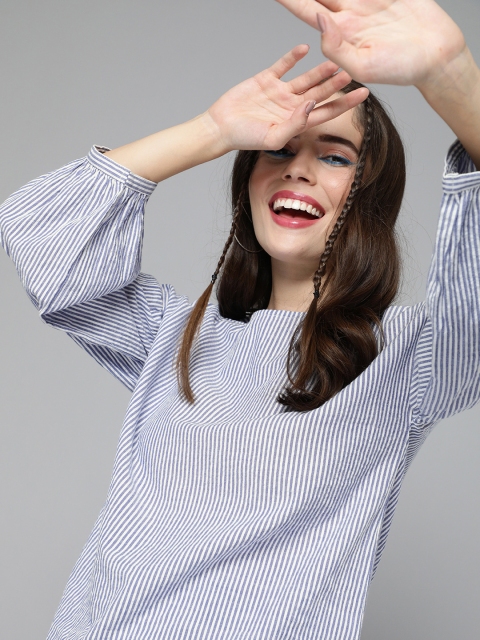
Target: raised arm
[75, 234]
[403, 42]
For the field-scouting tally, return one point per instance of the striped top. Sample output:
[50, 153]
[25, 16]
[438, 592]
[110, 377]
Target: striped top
[235, 518]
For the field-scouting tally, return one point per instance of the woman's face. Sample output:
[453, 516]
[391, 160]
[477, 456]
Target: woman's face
[297, 193]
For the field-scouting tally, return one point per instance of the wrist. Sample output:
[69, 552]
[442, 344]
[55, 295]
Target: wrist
[171, 151]
[454, 93]
[458, 78]
[212, 135]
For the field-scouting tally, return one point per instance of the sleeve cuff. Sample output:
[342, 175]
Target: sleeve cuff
[116, 171]
[460, 172]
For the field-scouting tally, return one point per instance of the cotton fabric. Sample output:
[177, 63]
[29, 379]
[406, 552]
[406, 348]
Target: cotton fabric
[234, 518]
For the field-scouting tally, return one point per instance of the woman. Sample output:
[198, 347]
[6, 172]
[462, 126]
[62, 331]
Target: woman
[245, 503]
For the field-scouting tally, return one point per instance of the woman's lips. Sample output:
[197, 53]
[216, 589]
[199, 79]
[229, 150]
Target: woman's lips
[292, 222]
[296, 195]
[295, 218]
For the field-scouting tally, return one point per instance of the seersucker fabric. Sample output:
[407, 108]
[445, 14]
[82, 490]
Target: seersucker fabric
[234, 518]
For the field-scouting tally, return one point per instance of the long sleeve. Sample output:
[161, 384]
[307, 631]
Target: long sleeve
[75, 236]
[447, 359]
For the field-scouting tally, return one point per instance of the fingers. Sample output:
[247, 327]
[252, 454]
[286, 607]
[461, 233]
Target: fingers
[339, 50]
[289, 60]
[306, 10]
[334, 47]
[313, 77]
[332, 5]
[279, 134]
[323, 91]
[334, 108]
[306, 116]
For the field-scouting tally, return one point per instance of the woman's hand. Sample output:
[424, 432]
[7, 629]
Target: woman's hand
[402, 42]
[261, 113]
[265, 112]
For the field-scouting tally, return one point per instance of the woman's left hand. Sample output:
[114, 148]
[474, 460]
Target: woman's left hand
[402, 42]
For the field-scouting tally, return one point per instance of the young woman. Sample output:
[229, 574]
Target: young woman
[267, 436]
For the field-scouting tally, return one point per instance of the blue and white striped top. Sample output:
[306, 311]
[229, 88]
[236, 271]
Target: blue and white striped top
[233, 518]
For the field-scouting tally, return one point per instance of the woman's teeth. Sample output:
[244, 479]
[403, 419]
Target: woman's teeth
[299, 205]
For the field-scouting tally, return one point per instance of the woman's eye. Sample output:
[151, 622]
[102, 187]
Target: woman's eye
[337, 161]
[333, 159]
[281, 153]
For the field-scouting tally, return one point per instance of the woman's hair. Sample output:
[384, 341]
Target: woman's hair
[337, 338]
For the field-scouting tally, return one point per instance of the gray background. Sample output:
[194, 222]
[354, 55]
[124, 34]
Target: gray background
[76, 73]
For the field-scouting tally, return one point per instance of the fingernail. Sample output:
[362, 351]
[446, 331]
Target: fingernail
[322, 23]
[310, 106]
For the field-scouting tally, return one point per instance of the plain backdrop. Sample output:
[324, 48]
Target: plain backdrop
[74, 73]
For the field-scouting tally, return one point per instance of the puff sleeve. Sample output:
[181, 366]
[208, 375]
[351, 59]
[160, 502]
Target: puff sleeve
[447, 359]
[75, 236]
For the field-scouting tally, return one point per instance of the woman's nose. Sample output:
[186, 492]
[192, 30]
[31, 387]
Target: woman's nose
[300, 169]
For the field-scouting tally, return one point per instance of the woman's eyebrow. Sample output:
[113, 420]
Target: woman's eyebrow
[338, 140]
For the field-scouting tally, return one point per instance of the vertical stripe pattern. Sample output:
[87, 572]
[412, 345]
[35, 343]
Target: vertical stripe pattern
[234, 518]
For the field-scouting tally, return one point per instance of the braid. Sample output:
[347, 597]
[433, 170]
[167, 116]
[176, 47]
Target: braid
[356, 185]
[231, 235]
[198, 311]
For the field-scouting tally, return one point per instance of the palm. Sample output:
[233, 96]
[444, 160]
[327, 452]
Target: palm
[264, 112]
[384, 41]
[254, 108]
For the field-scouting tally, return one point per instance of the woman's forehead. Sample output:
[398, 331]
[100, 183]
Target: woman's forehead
[344, 126]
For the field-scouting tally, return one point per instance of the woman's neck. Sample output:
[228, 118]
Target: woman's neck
[292, 287]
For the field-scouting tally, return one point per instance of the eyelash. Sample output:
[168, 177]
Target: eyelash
[340, 161]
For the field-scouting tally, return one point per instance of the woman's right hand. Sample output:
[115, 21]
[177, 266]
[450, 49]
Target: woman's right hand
[264, 112]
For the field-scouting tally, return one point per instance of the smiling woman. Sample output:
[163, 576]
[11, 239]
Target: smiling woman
[337, 340]
[268, 435]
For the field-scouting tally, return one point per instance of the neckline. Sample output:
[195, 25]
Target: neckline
[285, 312]
[280, 317]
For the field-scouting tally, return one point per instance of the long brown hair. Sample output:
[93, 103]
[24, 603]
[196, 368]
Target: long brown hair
[337, 338]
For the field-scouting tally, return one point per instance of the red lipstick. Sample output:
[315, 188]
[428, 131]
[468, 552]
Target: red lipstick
[296, 195]
[293, 218]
